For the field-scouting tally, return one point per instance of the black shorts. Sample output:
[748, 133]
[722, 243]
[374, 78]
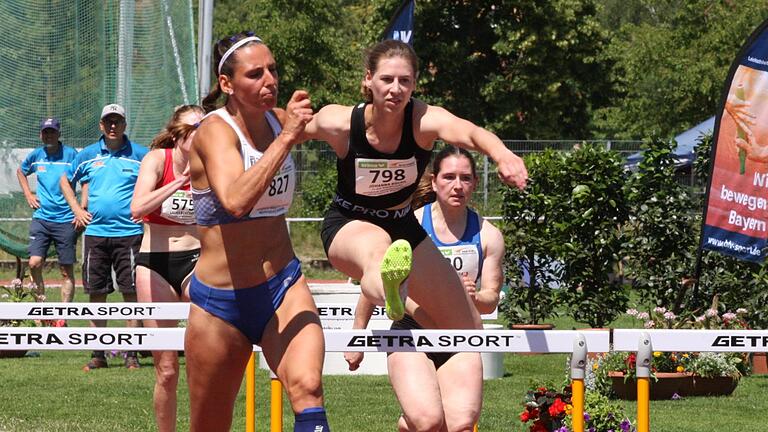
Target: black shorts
[101, 255]
[399, 224]
[174, 267]
[408, 323]
[63, 235]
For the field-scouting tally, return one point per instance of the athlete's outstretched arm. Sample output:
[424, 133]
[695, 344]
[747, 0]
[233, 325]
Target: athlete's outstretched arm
[439, 123]
[331, 124]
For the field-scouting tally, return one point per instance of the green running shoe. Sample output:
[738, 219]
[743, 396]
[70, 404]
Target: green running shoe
[395, 267]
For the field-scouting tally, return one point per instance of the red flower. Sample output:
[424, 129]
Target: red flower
[557, 408]
[630, 361]
[529, 414]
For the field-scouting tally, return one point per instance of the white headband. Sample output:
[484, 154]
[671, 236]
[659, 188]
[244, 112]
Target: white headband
[235, 46]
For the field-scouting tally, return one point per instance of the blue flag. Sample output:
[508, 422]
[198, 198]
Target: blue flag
[401, 25]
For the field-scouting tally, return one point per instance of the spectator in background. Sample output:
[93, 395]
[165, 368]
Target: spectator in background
[52, 220]
[112, 238]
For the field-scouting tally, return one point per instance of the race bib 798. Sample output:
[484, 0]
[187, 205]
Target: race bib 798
[376, 177]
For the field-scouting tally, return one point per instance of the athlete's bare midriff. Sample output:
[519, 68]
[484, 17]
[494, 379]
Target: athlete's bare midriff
[169, 238]
[243, 254]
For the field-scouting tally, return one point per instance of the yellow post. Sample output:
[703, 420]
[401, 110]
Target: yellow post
[474, 429]
[577, 400]
[578, 372]
[643, 404]
[276, 405]
[643, 376]
[250, 395]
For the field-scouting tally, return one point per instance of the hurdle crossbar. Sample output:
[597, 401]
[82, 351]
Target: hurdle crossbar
[666, 340]
[157, 311]
[136, 339]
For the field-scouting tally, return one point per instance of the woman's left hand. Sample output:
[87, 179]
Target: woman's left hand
[470, 286]
[511, 169]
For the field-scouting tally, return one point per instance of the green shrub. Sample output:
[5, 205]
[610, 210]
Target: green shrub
[661, 241]
[589, 239]
[530, 235]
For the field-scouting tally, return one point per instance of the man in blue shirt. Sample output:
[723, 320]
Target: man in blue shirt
[110, 167]
[52, 220]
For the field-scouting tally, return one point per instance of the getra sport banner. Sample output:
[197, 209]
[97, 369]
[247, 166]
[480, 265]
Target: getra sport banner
[736, 218]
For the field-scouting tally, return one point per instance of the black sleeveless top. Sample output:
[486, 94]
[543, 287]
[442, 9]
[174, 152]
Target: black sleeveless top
[373, 179]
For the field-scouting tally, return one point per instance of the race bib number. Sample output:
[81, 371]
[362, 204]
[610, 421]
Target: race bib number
[376, 177]
[179, 208]
[279, 193]
[464, 258]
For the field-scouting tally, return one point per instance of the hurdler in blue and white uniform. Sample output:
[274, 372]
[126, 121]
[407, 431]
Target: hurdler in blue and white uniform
[110, 167]
[52, 218]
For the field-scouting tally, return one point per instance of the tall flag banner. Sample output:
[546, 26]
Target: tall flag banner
[400, 27]
[736, 212]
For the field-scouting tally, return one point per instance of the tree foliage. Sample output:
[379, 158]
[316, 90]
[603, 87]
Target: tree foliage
[524, 69]
[313, 41]
[670, 62]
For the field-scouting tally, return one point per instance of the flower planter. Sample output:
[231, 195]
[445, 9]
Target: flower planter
[759, 363]
[667, 384]
[12, 353]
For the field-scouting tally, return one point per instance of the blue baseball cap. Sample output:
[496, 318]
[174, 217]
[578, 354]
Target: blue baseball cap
[50, 123]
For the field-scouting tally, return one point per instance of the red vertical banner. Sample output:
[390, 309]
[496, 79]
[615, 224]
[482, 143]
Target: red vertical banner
[736, 220]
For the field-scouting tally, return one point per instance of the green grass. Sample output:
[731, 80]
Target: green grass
[51, 393]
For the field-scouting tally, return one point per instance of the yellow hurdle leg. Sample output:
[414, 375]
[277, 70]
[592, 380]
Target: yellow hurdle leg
[577, 400]
[643, 404]
[250, 394]
[276, 406]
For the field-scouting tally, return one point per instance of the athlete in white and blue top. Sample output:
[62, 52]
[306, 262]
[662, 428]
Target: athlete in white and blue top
[444, 385]
[247, 287]
[52, 218]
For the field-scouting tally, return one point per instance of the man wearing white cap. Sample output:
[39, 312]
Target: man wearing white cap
[110, 167]
[52, 220]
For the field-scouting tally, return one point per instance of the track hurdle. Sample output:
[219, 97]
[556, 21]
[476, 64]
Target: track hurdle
[135, 339]
[644, 342]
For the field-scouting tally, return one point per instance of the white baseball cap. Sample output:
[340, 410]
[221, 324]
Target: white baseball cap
[113, 109]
